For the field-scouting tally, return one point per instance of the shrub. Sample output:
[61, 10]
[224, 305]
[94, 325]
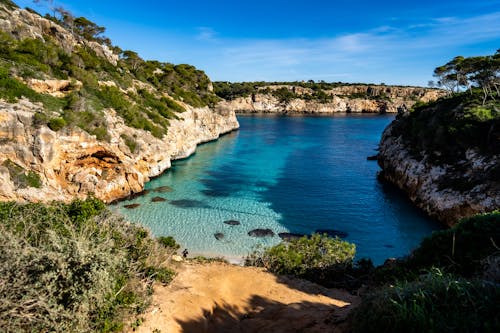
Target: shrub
[20, 177]
[461, 248]
[74, 267]
[168, 242]
[465, 250]
[56, 124]
[130, 142]
[434, 303]
[309, 257]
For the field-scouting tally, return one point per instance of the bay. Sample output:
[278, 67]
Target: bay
[286, 174]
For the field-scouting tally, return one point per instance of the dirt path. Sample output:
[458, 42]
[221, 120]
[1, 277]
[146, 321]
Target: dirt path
[219, 297]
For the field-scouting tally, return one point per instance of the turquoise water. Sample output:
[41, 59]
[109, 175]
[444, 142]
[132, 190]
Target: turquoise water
[287, 174]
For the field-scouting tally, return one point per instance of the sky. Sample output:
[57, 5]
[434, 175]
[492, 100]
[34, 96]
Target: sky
[391, 42]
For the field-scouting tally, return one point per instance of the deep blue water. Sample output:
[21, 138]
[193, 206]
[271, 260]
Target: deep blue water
[289, 174]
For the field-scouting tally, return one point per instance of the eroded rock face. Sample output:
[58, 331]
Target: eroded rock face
[71, 163]
[396, 98]
[429, 185]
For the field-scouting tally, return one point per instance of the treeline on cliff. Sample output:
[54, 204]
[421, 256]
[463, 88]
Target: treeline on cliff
[318, 91]
[145, 93]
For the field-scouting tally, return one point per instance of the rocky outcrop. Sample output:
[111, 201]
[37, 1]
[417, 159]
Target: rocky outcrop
[71, 163]
[56, 88]
[436, 187]
[374, 99]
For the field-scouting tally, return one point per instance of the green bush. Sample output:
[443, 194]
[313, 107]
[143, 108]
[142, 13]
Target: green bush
[74, 267]
[168, 242]
[20, 177]
[56, 124]
[308, 257]
[130, 142]
[434, 303]
[461, 248]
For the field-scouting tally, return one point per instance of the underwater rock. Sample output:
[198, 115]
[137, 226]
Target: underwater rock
[288, 236]
[163, 189]
[261, 233]
[188, 203]
[158, 199]
[332, 233]
[132, 206]
[232, 222]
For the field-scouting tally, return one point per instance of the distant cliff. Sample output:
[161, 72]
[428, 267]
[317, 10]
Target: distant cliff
[446, 156]
[81, 116]
[323, 98]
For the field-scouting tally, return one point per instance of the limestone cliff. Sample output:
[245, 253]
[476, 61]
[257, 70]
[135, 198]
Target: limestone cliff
[445, 158]
[347, 98]
[76, 118]
[72, 163]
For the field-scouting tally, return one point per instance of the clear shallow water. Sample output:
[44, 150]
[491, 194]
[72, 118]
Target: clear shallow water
[288, 174]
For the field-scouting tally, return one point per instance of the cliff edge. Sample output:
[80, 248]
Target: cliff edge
[446, 156]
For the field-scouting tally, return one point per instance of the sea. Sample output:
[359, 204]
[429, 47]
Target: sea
[293, 174]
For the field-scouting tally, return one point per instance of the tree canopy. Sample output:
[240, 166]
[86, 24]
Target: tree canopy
[464, 73]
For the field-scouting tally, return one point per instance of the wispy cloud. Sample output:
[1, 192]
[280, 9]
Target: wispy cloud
[383, 53]
[206, 34]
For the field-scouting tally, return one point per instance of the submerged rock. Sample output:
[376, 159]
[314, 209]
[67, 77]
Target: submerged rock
[132, 206]
[288, 236]
[261, 233]
[188, 203]
[219, 235]
[332, 233]
[135, 195]
[232, 222]
[158, 199]
[163, 189]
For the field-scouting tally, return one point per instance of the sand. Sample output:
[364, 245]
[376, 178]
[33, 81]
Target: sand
[219, 297]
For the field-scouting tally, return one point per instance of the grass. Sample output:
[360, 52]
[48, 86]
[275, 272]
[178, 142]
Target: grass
[435, 302]
[74, 267]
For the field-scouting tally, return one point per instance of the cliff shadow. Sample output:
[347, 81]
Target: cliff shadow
[261, 314]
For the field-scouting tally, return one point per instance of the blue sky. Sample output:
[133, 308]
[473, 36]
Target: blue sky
[395, 42]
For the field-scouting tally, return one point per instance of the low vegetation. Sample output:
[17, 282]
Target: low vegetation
[434, 302]
[448, 284]
[316, 257]
[75, 267]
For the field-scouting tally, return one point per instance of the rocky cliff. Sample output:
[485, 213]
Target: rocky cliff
[446, 158]
[77, 119]
[71, 163]
[347, 98]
